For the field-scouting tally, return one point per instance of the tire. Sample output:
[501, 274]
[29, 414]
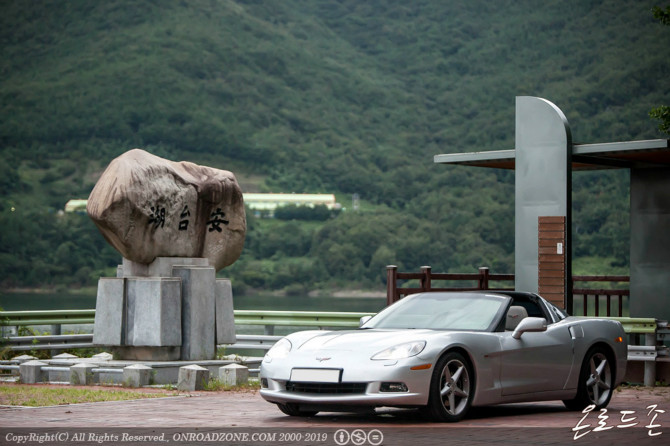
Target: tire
[293, 410]
[596, 381]
[452, 387]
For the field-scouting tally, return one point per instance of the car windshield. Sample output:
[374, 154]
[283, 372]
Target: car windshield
[442, 311]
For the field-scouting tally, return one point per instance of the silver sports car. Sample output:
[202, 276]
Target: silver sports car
[445, 352]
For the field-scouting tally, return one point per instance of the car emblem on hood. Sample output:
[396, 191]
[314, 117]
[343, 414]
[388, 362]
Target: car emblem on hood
[322, 359]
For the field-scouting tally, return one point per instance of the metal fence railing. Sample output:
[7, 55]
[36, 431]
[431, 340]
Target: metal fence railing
[268, 319]
[644, 333]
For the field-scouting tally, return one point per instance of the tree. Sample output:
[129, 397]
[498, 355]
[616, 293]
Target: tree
[662, 113]
[661, 15]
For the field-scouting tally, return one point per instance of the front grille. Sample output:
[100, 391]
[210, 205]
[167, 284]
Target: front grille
[330, 388]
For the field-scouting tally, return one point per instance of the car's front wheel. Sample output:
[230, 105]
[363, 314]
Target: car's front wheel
[596, 381]
[293, 410]
[452, 388]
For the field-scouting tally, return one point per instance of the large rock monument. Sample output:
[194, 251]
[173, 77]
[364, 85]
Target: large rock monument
[175, 224]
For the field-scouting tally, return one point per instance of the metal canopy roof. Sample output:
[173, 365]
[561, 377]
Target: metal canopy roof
[639, 154]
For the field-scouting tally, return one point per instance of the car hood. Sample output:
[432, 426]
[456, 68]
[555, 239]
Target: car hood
[361, 339]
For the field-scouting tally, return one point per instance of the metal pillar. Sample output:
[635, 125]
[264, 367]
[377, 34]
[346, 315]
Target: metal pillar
[543, 182]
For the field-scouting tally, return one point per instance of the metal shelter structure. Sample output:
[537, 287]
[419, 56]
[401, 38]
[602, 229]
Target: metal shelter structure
[543, 159]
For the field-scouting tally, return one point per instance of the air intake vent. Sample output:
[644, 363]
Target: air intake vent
[326, 388]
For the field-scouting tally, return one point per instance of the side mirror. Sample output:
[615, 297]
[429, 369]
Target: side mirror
[530, 324]
[363, 320]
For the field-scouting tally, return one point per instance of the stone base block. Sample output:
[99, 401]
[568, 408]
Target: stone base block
[147, 353]
[225, 316]
[160, 267]
[82, 374]
[192, 377]
[20, 360]
[110, 311]
[137, 375]
[198, 312]
[153, 312]
[140, 312]
[150, 309]
[234, 375]
[31, 372]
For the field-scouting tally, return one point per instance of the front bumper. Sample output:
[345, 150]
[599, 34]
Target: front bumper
[367, 375]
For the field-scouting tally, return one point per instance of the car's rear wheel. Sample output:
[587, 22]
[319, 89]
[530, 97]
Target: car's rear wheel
[293, 410]
[452, 388]
[596, 381]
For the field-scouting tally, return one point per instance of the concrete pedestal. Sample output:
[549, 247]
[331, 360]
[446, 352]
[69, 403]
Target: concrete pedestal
[31, 372]
[198, 311]
[173, 308]
[234, 375]
[192, 377]
[82, 374]
[225, 315]
[137, 375]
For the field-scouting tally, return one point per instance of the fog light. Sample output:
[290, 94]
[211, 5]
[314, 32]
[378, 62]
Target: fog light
[393, 387]
[264, 383]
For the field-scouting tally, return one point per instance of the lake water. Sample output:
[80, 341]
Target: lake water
[68, 301]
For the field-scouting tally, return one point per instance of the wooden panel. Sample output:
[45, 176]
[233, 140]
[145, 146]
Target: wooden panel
[547, 266]
[553, 235]
[554, 273]
[549, 250]
[551, 281]
[550, 220]
[554, 227]
[554, 258]
[551, 259]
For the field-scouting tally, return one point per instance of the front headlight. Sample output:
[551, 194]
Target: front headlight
[280, 350]
[401, 351]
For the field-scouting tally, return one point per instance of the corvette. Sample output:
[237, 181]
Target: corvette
[444, 352]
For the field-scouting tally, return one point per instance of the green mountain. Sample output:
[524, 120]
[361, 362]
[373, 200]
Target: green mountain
[342, 96]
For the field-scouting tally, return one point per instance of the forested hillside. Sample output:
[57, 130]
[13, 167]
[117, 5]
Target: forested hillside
[318, 96]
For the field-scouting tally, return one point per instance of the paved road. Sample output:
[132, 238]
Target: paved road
[241, 418]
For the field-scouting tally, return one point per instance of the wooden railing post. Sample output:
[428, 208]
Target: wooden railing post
[391, 284]
[483, 278]
[589, 293]
[426, 279]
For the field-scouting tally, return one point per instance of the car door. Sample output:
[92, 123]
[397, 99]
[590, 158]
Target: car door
[537, 362]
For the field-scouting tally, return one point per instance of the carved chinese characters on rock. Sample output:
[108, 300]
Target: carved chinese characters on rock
[148, 207]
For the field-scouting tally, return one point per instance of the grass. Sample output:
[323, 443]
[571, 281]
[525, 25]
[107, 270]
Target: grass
[40, 396]
[45, 395]
[216, 385]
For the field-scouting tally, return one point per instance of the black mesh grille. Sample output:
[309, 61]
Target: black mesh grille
[326, 387]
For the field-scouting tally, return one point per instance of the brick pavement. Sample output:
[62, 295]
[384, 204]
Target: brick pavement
[533, 423]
